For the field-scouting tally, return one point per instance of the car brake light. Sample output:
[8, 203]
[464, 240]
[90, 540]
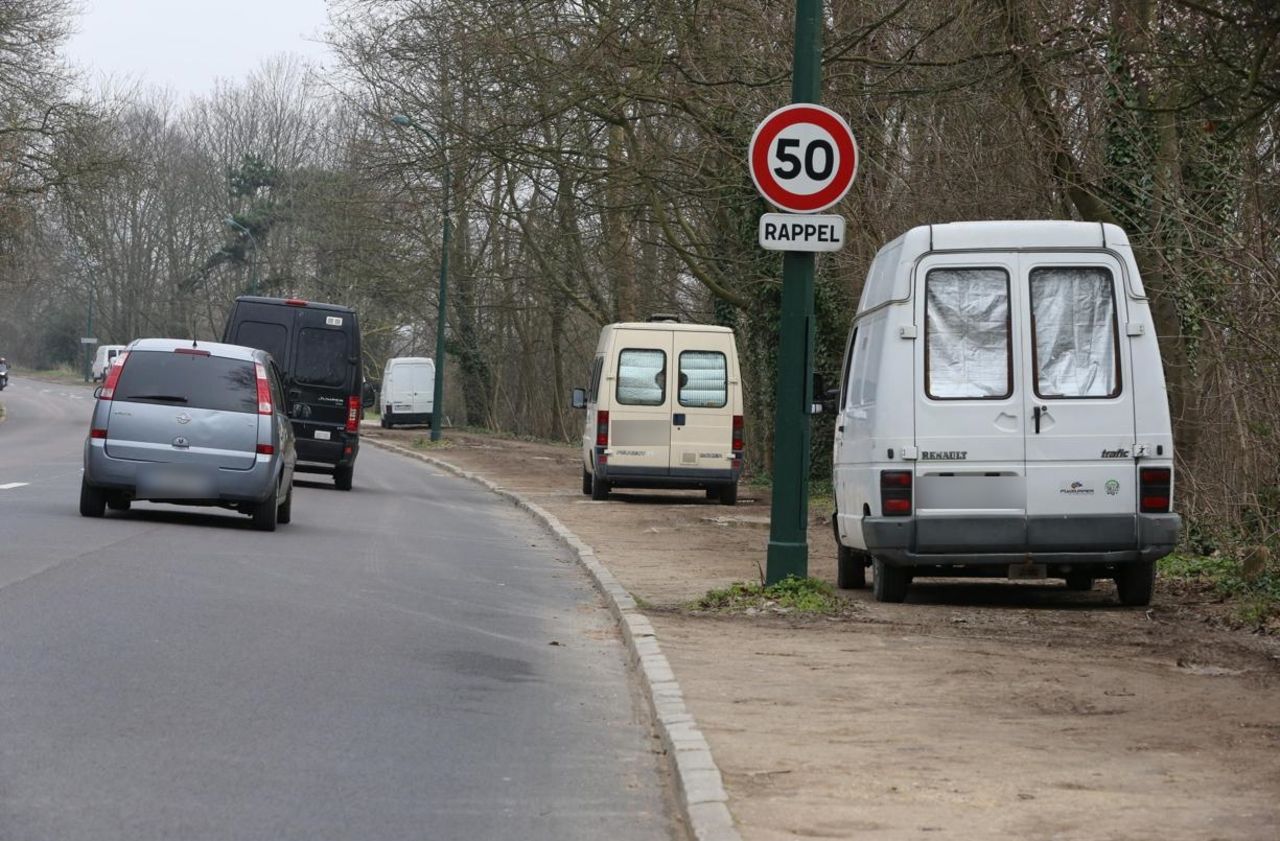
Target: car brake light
[266, 450]
[602, 428]
[737, 433]
[353, 413]
[895, 493]
[1154, 486]
[295, 302]
[264, 390]
[98, 433]
[113, 376]
[191, 351]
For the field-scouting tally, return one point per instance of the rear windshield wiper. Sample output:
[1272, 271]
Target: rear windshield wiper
[167, 398]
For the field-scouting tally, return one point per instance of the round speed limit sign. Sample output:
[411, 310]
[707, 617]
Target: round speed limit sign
[803, 158]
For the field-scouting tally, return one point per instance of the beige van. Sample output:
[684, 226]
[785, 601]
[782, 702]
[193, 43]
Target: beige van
[664, 410]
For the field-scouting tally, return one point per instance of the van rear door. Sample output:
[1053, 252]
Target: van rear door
[640, 411]
[1077, 402]
[322, 368]
[702, 417]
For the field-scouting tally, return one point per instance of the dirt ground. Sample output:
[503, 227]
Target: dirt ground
[974, 711]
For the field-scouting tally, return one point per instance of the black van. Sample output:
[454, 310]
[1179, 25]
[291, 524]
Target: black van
[317, 347]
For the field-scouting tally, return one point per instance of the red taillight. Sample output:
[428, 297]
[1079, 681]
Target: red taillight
[1154, 485]
[895, 493]
[113, 376]
[353, 414]
[295, 302]
[737, 433]
[266, 450]
[264, 390]
[98, 433]
[602, 428]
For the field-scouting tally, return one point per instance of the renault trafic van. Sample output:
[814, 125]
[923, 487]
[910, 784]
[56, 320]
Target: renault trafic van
[102, 359]
[408, 384]
[1003, 413]
[664, 410]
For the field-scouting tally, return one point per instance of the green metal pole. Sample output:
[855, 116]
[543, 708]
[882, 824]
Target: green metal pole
[437, 396]
[788, 552]
[88, 332]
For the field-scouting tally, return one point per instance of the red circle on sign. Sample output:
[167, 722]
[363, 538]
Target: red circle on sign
[773, 125]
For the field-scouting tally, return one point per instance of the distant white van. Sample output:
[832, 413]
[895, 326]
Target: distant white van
[102, 360]
[1003, 413]
[664, 410]
[408, 391]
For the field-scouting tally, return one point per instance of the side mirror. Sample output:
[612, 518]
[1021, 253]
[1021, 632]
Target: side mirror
[817, 405]
[367, 395]
[579, 400]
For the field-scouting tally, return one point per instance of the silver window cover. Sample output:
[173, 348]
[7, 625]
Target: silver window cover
[967, 333]
[1073, 315]
[704, 379]
[642, 377]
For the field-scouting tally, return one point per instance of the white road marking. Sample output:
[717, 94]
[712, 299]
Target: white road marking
[13, 485]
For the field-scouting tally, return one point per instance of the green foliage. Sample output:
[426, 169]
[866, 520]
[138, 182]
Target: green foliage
[1255, 598]
[793, 595]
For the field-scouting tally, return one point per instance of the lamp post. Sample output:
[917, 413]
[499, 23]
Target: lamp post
[230, 222]
[437, 398]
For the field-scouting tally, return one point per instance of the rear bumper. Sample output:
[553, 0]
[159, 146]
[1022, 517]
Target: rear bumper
[252, 485]
[317, 456]
[407, 417]
[657, 477]
[1001, 541]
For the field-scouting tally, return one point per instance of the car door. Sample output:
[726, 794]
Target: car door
[702, 416]
[1076, 403]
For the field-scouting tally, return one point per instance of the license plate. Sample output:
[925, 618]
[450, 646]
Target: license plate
[402, 407]
[323, 434]
[1028, 572]
[164, 482]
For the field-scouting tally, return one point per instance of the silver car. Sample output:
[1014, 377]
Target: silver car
[193, 423]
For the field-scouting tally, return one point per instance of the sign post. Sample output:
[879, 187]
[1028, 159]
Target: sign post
[803, 159]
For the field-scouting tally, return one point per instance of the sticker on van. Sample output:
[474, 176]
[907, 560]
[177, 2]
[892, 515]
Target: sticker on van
[333, 320]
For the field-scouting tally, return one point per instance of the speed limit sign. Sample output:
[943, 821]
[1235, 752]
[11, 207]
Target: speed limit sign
[803, 158]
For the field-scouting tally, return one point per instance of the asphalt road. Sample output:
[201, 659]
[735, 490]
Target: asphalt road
[414, 659]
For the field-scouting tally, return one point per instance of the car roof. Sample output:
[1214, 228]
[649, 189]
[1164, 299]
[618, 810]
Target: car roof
[246, 354]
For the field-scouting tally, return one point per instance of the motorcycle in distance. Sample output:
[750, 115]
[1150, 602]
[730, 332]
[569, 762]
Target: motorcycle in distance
[4, 373]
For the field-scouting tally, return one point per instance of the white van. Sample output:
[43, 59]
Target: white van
[103, 358]
[408, 390]
[1003, 413]
[664, 410]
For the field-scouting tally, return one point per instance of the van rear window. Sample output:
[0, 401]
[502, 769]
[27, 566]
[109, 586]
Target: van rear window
[189, 381]
[967, 334]
[704, 379]
[642, 377]
[321, 358]
[1073, 320]
[273, 338]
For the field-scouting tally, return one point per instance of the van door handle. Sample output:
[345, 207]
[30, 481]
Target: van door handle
[1036, 413]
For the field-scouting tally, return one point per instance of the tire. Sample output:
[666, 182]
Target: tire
[889, 583]
[265, 513]
[599, 489]
[851, 568]
[586, 482]
[93, 501]
[1135, 583]
[1081, 582]
[284, 512]
[728, 494]
[119, 503]
[342, 477]
[382, 422]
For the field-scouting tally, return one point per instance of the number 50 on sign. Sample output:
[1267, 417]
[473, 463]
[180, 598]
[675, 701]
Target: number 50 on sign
[803, 158]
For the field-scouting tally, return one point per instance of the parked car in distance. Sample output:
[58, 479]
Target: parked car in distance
[317, 347]
[408, 390]
[191, 423]
[102, 359]
[1003, 413]
[664, 410]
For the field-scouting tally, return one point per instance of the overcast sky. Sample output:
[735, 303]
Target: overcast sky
[185, 45]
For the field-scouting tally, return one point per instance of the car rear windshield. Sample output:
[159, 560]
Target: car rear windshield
[189, 380]
[322, 357]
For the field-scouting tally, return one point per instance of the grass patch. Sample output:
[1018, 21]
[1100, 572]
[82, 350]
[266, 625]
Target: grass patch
[792, 595]
[424, 442]
[62, 376]
[1250, 583]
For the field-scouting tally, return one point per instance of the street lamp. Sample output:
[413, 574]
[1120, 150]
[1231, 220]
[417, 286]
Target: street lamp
[230, 222]
[437, 398]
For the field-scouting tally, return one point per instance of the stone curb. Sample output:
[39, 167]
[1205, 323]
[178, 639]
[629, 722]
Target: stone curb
[701, 796]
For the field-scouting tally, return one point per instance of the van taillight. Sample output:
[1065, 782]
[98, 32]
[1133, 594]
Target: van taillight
[602, 428]
[113, 376]
[1154, 484]
[353, 414]
[895, 493]
[737, 433]
[264, 390]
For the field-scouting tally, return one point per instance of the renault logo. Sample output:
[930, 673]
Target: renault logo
[183, 418]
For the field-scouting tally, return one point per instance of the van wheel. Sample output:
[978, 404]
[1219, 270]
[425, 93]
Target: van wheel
[342, 477]
[890, 583]
[1081, 582]
[284, 512]
[586, 481]
[851, 568]
[1135, 583]
[382, 422]
[729, 494]
[264, 514]
[93, 501]
[599, 489]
